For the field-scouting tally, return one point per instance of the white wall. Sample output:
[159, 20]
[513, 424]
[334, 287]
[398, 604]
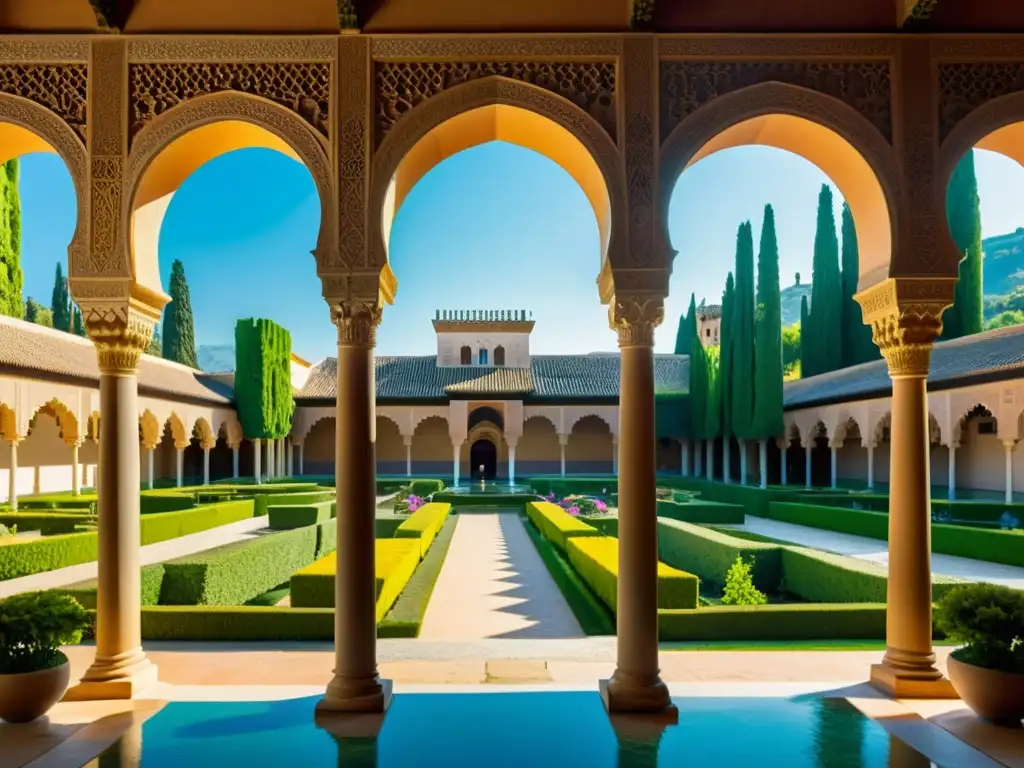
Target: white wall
[517, 347]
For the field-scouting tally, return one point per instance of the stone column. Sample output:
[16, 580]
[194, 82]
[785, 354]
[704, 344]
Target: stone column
[834, 467]
[150, 450]
[120, 669]
[1009, 445]
[563, 441]
[636, 685]
[356, 686]
[783, 443]
[905, 316]
[726, 459]
[951, 473]
[234, 461]
[615, 452]
[743, 461]
[807, 462]
[271, 468]
[302, 458]
[684, 460]
[12, 478]
[76, 472]
[762, 452]
[711, 458]
[180, 462]
[257, 454]
[456, 450]
[698, 458]
[407, 439]
[512, 464]
[871, 466]
[291, 458]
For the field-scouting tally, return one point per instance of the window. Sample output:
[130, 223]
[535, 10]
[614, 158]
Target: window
[707, 332]
[499, 355]
[483, 357]
[467, 356]
[987, 427]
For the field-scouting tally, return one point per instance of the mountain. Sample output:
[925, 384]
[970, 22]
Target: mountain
[791, 298]
[216, 358]
[1003, 265]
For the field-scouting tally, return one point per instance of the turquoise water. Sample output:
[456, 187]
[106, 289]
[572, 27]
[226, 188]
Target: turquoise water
[517, 729]
[491, 487]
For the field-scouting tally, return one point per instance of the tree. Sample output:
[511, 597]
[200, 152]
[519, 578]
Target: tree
[179, 326]
[263, 391]
[683, 334]
[767, 417]
[698, 373]
[156, 346]
[963, 210]
[826, 294]
[13, 301]
[78, 324]
[857, 344]
[38, 314]
[806, 363]
[60, 301]
[790, 347]
[725, 366]
[741, 409]
[1005, 320]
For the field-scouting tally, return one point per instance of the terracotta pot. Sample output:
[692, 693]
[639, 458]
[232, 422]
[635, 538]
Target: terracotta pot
[25, 697]
[997, 697]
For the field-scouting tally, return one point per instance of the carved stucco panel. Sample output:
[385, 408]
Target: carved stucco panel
[353, 150]
[688, 85]
[402, 86]
[61, 88]
[963, 87]
[639, 149]
[303, 88]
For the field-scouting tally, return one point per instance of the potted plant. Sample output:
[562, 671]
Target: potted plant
[988, 671]
[34, 674]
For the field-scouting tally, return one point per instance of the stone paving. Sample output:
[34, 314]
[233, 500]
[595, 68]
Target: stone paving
[493, 584]
[877, 551]
[149, 554]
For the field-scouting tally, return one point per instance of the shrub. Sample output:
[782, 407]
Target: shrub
[23, 557]
[702, 512]
[556, 524]
[170, 525]
[709, 554]
[596, 559]
[739, 586]
[48, 524]
[274, 497]
[8, 531]
[33, 627]
[286, 516]
[152, 577]
[424, 525]
[989, 619]
[406, 616]
[236, 623]
[848, 621]
[236, 573]
[394, 563]
[423, 488]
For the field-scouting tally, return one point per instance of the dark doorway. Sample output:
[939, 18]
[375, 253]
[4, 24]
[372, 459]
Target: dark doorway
[483, 454]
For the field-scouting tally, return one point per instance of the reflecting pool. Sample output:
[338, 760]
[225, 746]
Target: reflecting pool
[516, 729]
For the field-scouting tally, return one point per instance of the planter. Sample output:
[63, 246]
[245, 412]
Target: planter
[997, 697]
[27, 696]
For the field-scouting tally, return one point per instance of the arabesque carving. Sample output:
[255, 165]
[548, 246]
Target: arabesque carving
[688, 85]
[353, 138]
[905, 316]
[965, 87]
[120, 334]
[639, 63]
[303, 88]
[61, 88]
[634, 319]
[402, 86]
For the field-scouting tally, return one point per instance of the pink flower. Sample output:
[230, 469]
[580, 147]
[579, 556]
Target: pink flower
[574, 511]
[600, 506]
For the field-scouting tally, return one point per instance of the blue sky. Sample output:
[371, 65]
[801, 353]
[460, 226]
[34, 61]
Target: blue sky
[494, 227]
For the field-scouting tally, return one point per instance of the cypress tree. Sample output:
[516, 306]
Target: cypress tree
[179, 327]
[741, 332]
[78, 324]
[767, 421]
[826, 291]
[60, 301]
[806, 344]
[963, 210]
[16, 277]
[857, 344]
[725, 363]
[698, 374]
[156, 346]
[683, 334]
[5, 249]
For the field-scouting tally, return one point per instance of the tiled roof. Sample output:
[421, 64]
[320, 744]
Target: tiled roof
[561, 377]
[28, 348]
[997, 354]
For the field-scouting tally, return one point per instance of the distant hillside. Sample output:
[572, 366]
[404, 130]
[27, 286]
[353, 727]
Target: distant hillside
[216, 358]
[791, 298]
[1003, 267]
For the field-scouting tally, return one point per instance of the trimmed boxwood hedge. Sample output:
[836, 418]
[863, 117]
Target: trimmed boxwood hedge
[701, 511]
[424, 487]
[152, 581]
[709, 554]
[570, 486]
[284, 517]
[993, 546]
[557, 525]
[424, 524]
[48, 524]
[236, 623]
[503, 500]
[267, 498]
[237, 572]
[59, 501]
[846, 621]
[162, 526]
[596, 559]
[754, 500]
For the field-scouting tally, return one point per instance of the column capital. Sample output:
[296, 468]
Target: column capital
[905, 316]
[357, 322]
[74, 442]
[634, 318]
[208, 446]
[121, 332]
[182, 446]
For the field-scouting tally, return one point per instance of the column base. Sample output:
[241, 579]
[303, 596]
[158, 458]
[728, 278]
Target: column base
[104, 682]
[911, 684]
[629, 698]
[366, 697]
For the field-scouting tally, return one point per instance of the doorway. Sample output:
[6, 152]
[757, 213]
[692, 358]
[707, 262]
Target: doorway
[483, 453]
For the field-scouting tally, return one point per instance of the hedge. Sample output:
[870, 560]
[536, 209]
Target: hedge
[424, 524]
[503, 500]
[608, 525]
[754, 500]
[596, 559]
[394, 563]
[709, 554]
[154, 502]
[406, 616]
[557, 525]
[846, 621]
[152, 582]
[327, 532]
[237, 572]
[570, 486]
[701, 511]
[966, 510]
[236, 623]
[48, 524]
[59, 501]
[1006, 547]
[423, 488]
[286, 516]
[171, 525]
[274, 498]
